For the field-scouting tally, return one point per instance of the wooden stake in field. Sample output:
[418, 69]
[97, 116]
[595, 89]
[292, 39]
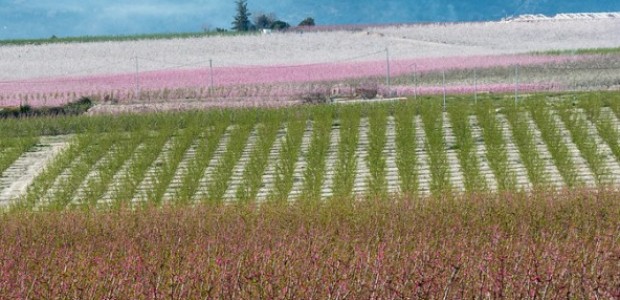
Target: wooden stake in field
[211, 72]
[443, 74]
[516, 83]
[415, 81]
[137, 79]
[475, 87]
[387, 78]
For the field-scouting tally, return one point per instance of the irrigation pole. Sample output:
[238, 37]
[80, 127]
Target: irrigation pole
[211, 71]
[443, 73]
[137, 78]
[516, 83]
[387, 60]
[475, 87]
[415, 81]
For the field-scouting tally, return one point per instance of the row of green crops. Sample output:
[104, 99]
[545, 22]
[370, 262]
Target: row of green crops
[131, 176]
[167, 170]
[60, 195]
[314, 175]
[431, 114]
[97, 184]
[543, 117]
[376, 160]
[459, 116]
[406, 156]
[603, 121]
[495, 145]
[253, 173]
[289, 153]
[37, 126]
[205, 150]
[48, 177]
[346, 165]
[523, 137]
[576, 123]
[220, 178]
[12, 148]
[211, 156]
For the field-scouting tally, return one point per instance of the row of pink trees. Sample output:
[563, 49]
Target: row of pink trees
[256, 82]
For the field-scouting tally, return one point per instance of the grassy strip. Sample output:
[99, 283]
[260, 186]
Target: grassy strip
[523, 138]
[346, 166]
[253, 173]
[38, 126]
[459, 112]
[406, 157]
[495, 145]
[576, 124]
[227, 161]
[204, 154]
[580, 51]
[314, 175]
[514, 246]
[289, 152]
[377, 183]
[12, 148]
[553, 139]
[431, 114]
[118, 38]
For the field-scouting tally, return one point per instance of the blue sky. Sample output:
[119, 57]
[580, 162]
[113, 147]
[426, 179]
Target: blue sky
[44, 18]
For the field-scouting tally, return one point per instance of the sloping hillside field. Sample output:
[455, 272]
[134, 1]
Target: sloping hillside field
[412, 147]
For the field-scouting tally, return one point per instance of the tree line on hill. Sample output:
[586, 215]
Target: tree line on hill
[261, 20]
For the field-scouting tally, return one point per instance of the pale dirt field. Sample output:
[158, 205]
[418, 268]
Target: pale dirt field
[404, 42]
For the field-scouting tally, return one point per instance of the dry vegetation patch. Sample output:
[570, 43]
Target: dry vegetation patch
[513, 245]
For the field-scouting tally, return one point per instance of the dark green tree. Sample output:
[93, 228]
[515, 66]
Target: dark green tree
[307, 22]
[280, 25]
[264, 21]
[242, 18]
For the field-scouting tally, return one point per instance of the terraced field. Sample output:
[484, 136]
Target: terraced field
[315, 153]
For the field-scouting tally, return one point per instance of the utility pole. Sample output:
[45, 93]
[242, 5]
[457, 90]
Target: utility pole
[415, 81]
[475, 87]
[516, 83]
[443, 73]
[211, 73]
[387, 59]
[137, 78]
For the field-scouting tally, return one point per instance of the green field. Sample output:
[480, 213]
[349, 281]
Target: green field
[315, 153]
[117, 38]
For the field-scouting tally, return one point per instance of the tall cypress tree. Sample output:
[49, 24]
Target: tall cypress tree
[242, 18]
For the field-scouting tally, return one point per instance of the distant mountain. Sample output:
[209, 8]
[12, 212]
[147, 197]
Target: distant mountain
[43, 18]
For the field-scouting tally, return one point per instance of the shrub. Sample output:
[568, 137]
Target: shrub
[78, 107]
[315, 98]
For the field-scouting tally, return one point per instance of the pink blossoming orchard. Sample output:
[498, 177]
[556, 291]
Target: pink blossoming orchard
[284, 84]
